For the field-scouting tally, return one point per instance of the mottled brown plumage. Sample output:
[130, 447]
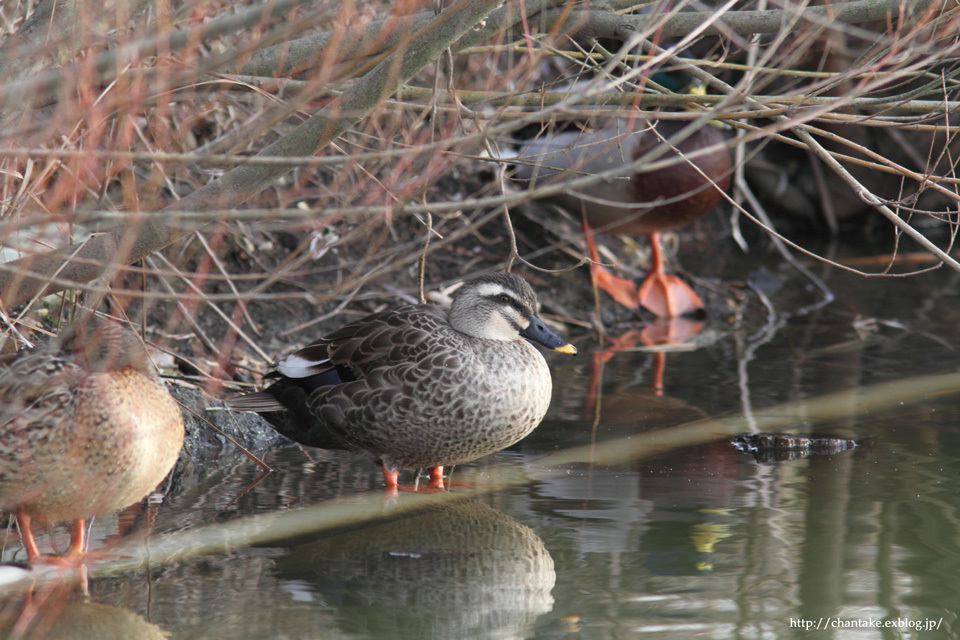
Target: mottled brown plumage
[418, 386]
[86, 428]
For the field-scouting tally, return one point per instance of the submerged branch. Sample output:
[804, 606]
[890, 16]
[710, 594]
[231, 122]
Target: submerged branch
[369, 507]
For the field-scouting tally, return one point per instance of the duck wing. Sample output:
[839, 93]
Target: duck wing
[351, 353]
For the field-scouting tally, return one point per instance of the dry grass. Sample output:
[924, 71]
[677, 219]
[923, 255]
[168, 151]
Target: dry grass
[211, 168]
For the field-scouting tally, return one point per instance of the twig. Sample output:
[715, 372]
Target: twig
[243, 182]
[263, 465]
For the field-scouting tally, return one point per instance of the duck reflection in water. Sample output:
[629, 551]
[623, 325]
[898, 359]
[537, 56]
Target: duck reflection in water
[463, 570]
[58, 614]
[673, 506]
[659, 337]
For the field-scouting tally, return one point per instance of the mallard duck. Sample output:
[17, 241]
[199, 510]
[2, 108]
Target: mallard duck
[86, 428]
[420, 386]
[632, 201]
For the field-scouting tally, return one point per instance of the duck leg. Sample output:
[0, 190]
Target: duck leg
[436, 478]
[436, 483]
[620, 289]
[391, 478]
[665, 295]
[75, 552]
[26, 532]
[394, 487]
[78, 540]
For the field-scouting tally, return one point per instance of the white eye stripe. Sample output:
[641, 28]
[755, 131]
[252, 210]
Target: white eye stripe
[491, 289]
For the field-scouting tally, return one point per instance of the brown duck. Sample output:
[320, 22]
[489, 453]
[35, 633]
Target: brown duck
[420, 386]
[86, 428]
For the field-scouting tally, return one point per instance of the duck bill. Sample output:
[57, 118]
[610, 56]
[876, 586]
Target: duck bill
[538, 332]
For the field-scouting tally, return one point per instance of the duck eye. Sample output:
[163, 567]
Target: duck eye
[504, 298]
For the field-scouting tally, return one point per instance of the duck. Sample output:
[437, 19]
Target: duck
[633, 200]
[420, 386]
[86, 428]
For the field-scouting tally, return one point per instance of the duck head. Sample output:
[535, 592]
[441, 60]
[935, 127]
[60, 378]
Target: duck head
[502, 306]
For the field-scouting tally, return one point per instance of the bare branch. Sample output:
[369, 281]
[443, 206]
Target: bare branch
[23, 279]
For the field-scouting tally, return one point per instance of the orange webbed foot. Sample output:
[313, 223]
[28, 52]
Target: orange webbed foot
[73, 558]
[71, 561]
[668, 296]
[394, 488]
[435, 484]
[623, 291]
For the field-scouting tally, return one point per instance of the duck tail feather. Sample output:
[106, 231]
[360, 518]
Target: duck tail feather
[301, 364]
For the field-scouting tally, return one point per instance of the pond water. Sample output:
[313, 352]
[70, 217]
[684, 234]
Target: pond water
[626, 514]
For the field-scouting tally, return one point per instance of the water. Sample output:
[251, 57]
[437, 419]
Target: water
[626, 514]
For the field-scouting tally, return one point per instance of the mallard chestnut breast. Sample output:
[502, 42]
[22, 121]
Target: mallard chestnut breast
[420, 385]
